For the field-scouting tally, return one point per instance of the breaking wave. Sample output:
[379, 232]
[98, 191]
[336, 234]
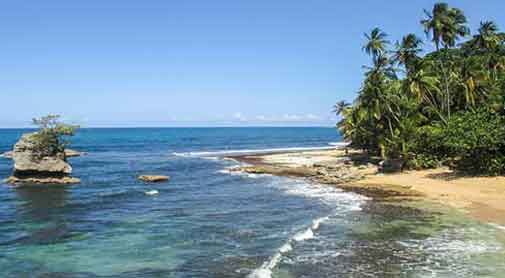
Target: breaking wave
[216, 154]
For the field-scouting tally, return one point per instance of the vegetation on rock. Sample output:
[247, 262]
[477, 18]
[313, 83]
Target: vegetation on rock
[51, 138]
[446, 106]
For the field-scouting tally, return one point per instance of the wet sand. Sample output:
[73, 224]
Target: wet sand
[480, 197]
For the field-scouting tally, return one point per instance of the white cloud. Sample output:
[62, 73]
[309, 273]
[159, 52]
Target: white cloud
[240, 117]
[289, 118]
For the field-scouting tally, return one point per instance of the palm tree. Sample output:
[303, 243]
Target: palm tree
[423, 85]
[487, 39]
[488, 43]
[407, 51]
[434, 22]
[474, 81]
[445, 24]
[340, 106]
[376, 43]
[454, 28]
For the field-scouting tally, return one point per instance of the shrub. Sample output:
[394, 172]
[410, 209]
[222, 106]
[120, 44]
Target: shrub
[473, 140]
[50, 139]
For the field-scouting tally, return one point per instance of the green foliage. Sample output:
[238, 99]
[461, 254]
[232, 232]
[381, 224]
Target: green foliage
[475, 140]
[50, 139]
[447, 107]
[424, 161]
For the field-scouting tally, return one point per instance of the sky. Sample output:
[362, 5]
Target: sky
[195, 63]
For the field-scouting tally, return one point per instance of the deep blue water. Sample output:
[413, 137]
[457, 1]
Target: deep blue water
[207, 222]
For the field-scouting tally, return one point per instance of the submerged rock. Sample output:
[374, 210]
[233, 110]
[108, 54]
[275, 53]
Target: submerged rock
[31, 167]
[73, 153]
[153, 178]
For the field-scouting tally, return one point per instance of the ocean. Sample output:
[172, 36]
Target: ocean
[211, 222]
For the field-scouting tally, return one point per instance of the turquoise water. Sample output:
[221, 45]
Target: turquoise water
[209, 222]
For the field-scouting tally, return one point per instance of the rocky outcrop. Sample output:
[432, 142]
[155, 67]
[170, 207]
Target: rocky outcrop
[68, 153]
[31, 167]
[153, 178]
[339, 173]
[42, 180]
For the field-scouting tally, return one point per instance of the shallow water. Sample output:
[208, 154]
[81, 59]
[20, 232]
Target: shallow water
[208, 222]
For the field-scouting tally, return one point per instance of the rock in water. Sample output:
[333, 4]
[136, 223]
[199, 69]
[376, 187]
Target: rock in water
[151, 178]
[29, 167]
[42, 180]
[26, 159]
[68, 153]
[72, 153]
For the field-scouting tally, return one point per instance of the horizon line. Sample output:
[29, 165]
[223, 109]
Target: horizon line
[252, 126]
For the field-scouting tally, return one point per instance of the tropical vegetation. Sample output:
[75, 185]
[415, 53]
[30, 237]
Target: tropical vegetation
[432, 107]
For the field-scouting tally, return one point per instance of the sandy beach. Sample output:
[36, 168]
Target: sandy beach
[480, 197]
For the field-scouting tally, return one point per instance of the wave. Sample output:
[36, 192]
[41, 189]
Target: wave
[232, 170]
[152, 192]
[332, 196]
[214, 154]
[265, 271]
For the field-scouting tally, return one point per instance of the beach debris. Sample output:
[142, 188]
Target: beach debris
[31, 167]
[153, 178]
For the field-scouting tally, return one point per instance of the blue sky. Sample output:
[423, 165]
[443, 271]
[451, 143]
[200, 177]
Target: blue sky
[194, 63]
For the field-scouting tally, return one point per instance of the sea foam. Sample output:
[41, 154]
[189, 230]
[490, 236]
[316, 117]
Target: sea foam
[334, 197]
[265, 271]
[220, 153]
[152, 192]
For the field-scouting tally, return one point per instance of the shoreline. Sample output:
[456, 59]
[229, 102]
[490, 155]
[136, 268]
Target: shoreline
[482, 198]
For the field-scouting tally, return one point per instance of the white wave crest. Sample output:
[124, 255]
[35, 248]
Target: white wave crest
[316, 223]
[258, 151]
[329, 195]
[232, 170]
[152, 192]
[265, 271]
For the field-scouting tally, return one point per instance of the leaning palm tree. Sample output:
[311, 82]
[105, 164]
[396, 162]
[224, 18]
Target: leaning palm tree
[376, 43]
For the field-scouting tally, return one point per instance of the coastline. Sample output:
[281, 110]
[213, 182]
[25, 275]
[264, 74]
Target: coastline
[482, 198]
